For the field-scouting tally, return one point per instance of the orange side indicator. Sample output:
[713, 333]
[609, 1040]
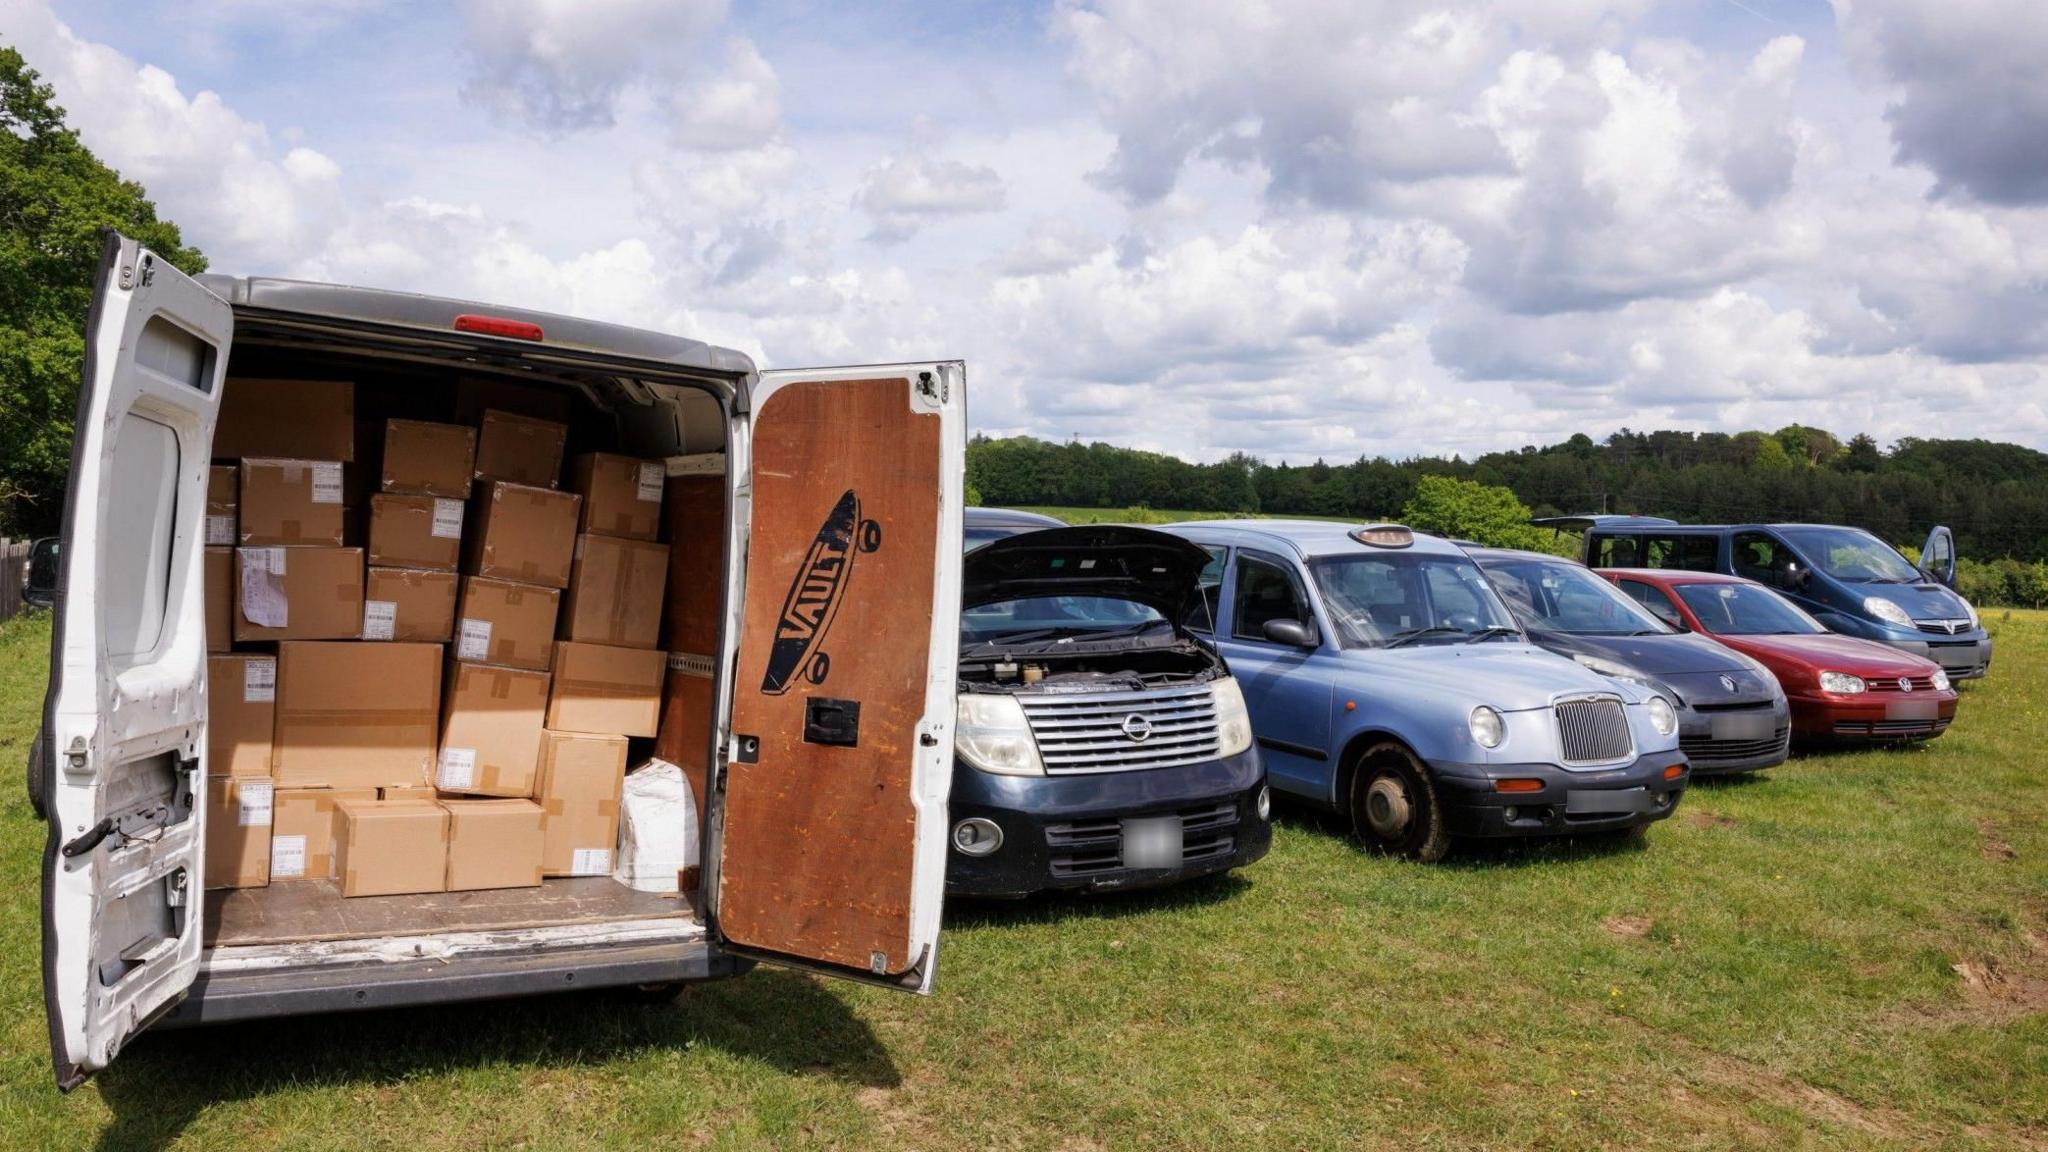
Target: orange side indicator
[1518, 784]
[1674, 772]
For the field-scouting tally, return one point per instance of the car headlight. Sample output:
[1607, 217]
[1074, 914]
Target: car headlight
[1887, 610]
[1940, 680]
[1841, 682]
[1970, 610]
[1233, 722]
[1662, 717]
[993, 736]
[1487, 727]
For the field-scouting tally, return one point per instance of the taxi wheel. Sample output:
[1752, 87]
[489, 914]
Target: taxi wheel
[1394, 808]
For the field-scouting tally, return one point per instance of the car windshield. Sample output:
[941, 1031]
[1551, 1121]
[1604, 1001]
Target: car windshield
[1746, 610]
[1054, 618]
[1559, 596]
[1853, 555]
[1395, 599]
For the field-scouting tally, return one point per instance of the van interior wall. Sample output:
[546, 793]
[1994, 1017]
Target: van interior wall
[604, 413]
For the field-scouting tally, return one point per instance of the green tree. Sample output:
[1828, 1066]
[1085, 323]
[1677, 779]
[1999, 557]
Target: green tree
[55, 199]
[1469, 510]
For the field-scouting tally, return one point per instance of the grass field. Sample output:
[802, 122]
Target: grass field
[1851, 950]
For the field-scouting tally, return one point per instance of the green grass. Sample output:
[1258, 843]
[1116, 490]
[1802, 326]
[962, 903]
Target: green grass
[1851, 950]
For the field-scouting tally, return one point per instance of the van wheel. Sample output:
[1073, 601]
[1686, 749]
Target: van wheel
[35, 775]
[1393, 806]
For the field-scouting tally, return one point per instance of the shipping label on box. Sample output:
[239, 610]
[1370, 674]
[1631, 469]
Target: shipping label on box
[302, 832]
[223, 482]
[356, 715]
[292, 419]
[428, 459]
[621, 494]
[290, 502]
[238, 818]
[606, 689]
[502, 622]
[578, 791]
[522, 533]
[298, 594]
[493, 844]
[520, 449]
[615, 592]
[241, 694]
[409, 604]
[490, 730]
[389, 848]
[415, 531]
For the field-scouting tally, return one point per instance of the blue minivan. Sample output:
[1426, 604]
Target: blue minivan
[1848, 579]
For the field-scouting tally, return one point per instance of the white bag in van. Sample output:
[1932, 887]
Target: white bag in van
[657, 828]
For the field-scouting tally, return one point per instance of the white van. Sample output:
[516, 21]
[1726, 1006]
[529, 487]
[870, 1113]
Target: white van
[833, 691]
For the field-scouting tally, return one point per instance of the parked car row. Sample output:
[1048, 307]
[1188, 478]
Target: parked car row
[1424, 690]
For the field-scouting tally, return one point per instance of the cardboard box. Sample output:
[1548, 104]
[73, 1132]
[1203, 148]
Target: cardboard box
[415, 531]
[298, 593]
[294, 419]
[391, 847]
[600, 688]
[223, 481]
[615, 592]
[219, 590]
[241, 710]
[238, 814]
[522, 533]
[696, 557]
[520, 449]
[493, 844]
[684, 738]
[409, 604]
[408, 792]
[500, 622]
[490, 730]
[303, 831]
[356, 715]
[290, 502]
[621, 494]
[581, 775]
[428, 459]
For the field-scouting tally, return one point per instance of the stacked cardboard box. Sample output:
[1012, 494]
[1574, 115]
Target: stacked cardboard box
[690, 615]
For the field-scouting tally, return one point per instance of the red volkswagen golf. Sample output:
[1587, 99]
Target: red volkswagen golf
[1840, 688]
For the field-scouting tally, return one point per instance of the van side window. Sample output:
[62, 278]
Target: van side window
[1202, 617]
[1265, 591]
[1655, 600]
[1694, 553]
[1763, 558]
[1617, 552]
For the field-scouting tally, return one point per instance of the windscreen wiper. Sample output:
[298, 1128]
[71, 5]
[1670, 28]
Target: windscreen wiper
[1414, 634]
[1490, 633]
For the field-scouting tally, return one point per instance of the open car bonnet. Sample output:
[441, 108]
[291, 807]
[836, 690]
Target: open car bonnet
[1137, 564]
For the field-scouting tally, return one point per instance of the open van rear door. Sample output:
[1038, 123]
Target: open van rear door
[124, 723]
[1938, 555]
[828, 834]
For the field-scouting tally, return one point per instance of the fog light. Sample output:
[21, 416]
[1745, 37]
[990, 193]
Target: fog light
[1511, 813]
[1264, 803]
[975, 836]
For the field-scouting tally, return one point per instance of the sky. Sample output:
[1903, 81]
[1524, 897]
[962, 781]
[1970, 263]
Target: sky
[1299, 229]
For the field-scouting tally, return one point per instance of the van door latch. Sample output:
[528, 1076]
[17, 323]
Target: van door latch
[833, 722]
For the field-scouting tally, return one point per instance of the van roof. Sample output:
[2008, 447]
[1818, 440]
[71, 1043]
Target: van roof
[438, 314]
[1310, 538]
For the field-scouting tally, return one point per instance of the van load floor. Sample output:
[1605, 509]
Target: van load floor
[315, 910]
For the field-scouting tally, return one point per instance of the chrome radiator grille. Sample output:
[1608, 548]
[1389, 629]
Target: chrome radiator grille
[1593, 730]
[1114, 731]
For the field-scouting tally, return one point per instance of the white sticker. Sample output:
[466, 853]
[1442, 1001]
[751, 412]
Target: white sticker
[448, 519]
[326, 483]
[651, 476]
[458, 769]
[220, 530]
[380, 619]
[263, 602]
[590, 862]
[475, 640]
[259, 680]
[255, 797]
[287, 857]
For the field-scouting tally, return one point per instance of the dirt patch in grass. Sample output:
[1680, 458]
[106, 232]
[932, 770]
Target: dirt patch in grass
[1701, 818]
[1997, 991]
[1992, 845]
[1627, 927]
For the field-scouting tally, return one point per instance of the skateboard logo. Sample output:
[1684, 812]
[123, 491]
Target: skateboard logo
[815, 594]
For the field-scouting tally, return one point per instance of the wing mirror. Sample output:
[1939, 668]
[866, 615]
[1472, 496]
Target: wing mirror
[1290, 632]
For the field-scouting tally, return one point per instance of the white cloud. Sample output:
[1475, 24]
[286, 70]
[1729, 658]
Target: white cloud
[740, 107]
[915, 188]
[564, 64]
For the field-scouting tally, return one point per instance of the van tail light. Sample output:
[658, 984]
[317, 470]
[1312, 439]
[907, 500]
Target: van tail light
[1520, 784]
[497, 326]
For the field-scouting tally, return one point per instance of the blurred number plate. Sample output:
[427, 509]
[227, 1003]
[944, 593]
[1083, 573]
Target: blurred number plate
[1753, 726]
[1912, 710]
[1605, 801]
[1154, 842]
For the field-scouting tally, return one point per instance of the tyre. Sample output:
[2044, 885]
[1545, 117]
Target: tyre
[35, 775]
[1394, 807]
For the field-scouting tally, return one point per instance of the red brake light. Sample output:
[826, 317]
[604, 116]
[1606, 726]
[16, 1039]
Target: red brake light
[497, 326]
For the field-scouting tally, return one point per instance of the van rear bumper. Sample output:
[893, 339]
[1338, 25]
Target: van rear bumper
[221, 997]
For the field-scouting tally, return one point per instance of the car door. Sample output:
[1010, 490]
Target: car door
[124, 721]
[828, 834]
[1287, 694]
[1938, 556]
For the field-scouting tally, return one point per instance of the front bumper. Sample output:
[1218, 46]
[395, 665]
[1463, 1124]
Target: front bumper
[1877, 717]
[1720, 741]
[1603, 800]
[1966, 656]
[1066, 832]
